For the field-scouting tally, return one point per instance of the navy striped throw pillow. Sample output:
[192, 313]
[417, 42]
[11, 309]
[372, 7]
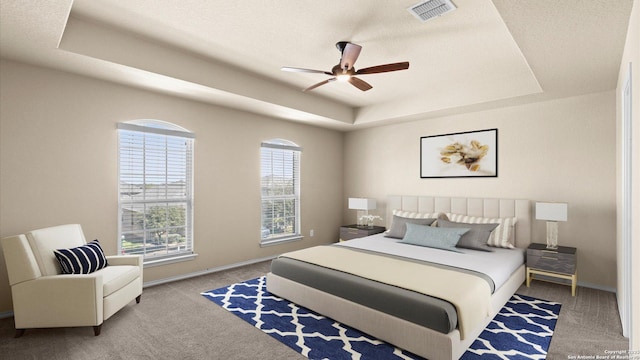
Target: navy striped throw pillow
[83, 259]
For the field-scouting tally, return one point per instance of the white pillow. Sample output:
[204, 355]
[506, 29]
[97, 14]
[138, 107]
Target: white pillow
[502, 236]
[417, 215]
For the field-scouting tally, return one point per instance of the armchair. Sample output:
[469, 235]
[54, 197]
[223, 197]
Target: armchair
[43, 297]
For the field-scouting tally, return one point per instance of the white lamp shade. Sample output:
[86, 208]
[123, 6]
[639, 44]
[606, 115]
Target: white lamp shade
[362, 204]
[551, 211]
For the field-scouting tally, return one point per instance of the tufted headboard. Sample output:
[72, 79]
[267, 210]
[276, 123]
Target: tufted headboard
[485, 207]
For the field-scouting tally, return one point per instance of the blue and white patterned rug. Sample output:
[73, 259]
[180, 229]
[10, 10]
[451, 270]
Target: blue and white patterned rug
[521, 330]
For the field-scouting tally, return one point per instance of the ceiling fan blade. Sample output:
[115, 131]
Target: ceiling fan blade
[293, 69]
[349, 55]
[384, 68]
[318, 84]
[360, 84]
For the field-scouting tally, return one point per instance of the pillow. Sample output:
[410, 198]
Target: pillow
[399, 227]
[417, 215]
[83, 259]
[433, 237]
[477, 236]
[502, 236]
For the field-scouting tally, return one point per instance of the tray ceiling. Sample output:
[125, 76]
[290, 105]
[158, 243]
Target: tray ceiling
[229, 53]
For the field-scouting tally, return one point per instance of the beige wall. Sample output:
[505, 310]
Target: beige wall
[631, 55]
[58, 164]
[562, 150]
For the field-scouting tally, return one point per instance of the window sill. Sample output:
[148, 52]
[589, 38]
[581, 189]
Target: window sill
[169, 260]
[281, 240]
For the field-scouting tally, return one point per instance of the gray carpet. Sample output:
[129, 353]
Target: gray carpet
[589, 323]
[173, 321]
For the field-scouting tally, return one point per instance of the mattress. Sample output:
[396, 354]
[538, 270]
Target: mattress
[427, 311]
[498, 264]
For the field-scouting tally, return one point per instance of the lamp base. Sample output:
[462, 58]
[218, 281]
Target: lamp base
[552, 235]
[362, 222]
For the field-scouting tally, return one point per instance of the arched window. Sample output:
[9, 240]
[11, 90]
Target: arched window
[155, 200]
[280, 189]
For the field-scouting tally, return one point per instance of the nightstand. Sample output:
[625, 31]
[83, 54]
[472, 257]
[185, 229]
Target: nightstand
[349, 232]
[558, 263]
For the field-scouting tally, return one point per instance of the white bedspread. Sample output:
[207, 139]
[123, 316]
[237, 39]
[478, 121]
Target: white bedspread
[498, 265]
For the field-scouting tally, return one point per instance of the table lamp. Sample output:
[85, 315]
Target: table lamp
[363, 205]
[552, 213]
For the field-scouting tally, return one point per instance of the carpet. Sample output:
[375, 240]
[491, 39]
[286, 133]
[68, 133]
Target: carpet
[521, 330]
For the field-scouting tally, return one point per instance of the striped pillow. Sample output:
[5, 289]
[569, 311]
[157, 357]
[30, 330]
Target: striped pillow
[83, 259]
[502, 236]
[417, 215]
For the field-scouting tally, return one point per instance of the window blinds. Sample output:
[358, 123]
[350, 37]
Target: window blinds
[280, 190]
[155, 191]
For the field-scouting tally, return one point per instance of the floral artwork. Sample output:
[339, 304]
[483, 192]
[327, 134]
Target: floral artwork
[466, 154]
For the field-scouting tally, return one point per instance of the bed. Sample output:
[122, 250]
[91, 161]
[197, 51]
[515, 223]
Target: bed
[353, 283]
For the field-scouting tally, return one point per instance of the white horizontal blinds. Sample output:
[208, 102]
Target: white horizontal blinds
[155, 191]
[280, 189]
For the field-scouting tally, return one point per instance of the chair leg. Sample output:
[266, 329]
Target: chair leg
[138, 299]
[19, 333]
[96, 330]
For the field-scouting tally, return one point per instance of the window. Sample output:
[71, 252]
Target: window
[155, 190]
[280, 188]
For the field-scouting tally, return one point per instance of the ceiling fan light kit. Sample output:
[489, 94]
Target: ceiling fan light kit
[345, 72]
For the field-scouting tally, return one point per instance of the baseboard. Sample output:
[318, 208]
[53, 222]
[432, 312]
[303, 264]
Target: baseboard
[207, 271]
[597, 287]
[6, 314]
[580, 283]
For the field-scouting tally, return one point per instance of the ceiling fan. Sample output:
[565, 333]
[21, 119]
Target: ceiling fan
[344, 71]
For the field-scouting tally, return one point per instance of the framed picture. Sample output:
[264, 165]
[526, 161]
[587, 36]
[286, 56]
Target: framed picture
[464, 154]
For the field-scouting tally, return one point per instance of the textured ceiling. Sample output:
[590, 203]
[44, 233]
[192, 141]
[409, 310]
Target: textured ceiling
[483, 54]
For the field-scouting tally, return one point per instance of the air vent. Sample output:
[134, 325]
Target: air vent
[430, 9]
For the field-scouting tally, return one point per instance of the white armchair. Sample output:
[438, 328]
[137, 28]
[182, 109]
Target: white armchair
[43, 297]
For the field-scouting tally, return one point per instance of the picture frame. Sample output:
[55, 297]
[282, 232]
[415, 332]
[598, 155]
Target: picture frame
[462, 154]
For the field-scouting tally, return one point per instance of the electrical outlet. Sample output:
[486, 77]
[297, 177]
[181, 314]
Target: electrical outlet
[311, 232]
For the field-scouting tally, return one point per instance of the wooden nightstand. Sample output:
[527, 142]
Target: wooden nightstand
[349, 232]
[559, 263]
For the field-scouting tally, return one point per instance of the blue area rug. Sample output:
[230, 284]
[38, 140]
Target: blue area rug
[521, 330]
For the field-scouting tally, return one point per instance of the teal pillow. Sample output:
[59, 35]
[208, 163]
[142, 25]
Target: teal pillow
[433, 237]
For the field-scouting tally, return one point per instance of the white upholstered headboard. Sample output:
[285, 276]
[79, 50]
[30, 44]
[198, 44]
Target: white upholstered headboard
[521, 209]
